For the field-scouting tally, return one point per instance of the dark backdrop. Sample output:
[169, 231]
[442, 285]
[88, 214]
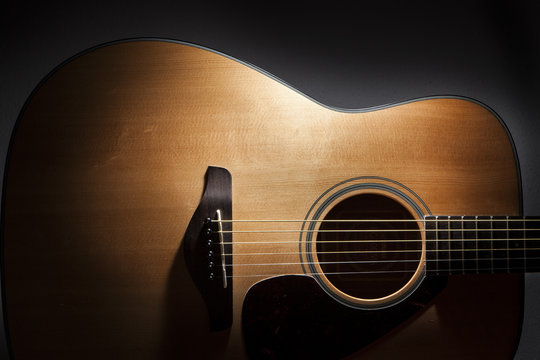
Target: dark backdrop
[349, 57]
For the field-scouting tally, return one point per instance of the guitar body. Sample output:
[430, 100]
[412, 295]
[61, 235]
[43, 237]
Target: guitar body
[107, 167]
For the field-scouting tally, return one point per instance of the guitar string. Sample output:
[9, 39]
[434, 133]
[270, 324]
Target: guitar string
[428, 272]
[328, 273]
[364, 230]
[441, 221]
[380, 241]
[382, 261]
[381, 251]
[456, 219]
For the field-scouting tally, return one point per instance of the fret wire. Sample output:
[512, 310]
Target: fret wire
[499, 243]
[447, 244]
[437, 243]
[431, 244]
[522, 231]
[470, 236]
[491, 242]
[484, 241]
[476, 237]
[456, 259]
[524, 248]
[514, 242]
[507, 245]
[462, 246]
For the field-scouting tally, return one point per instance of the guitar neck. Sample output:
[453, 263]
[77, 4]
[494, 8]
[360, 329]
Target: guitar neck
[482, 244]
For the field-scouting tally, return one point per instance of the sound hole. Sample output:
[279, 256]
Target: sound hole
[372, 258]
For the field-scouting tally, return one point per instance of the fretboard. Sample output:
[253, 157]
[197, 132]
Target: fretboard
[482, 244]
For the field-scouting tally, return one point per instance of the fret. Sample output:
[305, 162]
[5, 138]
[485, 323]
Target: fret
[516, 239]
[457, 265]
[476, 243]
[431, 245]
[469, 245]
[443, 242]
[491, 243]
[500, 244]
[508, 244]
[532, 243]
[483, 236]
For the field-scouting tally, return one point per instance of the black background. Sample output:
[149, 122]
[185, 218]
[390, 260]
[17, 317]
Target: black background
[345, 56]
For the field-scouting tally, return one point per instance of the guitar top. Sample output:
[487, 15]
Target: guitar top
[166, 201]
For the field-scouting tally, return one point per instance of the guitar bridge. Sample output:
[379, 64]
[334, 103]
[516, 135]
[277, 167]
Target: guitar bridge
[208, 246]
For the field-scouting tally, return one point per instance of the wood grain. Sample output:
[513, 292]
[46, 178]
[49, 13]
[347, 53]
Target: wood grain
[107, 166]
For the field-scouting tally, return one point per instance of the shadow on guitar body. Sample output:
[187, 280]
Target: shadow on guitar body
[186, 333]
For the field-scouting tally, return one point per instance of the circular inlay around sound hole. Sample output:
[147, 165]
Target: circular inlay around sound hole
[374, 257]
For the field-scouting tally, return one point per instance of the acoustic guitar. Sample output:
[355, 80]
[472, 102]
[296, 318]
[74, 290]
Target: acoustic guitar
[167, 201]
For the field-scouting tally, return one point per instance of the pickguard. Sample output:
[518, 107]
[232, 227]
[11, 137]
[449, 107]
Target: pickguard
[292, 317]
